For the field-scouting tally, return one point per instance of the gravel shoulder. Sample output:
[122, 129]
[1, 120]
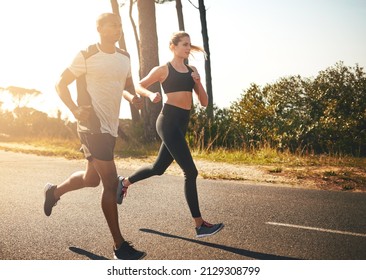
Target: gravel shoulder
[294, 177]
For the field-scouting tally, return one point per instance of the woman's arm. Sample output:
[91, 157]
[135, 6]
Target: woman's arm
[155, 75]
[199, 89]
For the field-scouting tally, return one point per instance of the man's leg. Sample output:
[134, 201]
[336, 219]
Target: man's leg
[108, 174]
[79, 180]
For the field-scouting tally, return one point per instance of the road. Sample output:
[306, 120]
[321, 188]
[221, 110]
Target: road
[261, 222]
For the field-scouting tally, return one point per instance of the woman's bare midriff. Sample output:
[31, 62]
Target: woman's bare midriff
[181, 99]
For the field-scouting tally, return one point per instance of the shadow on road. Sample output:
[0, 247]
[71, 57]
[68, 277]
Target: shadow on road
[87, 254]
[242, 252]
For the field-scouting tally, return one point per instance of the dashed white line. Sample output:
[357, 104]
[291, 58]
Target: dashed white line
[317, 229]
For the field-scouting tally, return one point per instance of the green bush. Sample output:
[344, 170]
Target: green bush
[326, 114]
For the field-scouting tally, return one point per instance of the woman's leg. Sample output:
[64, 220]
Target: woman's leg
[161, 163]
[173, 136]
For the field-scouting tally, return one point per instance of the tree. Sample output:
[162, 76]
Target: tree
[339, 109]
[202, 10]
[322, 115]
[115, 10]
[135, 115]
[21, 95]
[137, 40]
[251, 117]
[178, 6]
[149, 59]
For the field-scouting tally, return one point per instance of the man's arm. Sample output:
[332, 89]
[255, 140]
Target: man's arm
[130, 94]
[62, 88]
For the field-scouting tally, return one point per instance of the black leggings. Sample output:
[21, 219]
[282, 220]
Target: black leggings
[171, 126]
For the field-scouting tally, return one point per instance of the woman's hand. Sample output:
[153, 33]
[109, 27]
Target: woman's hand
[137, 102]
[155, 97]
[196, 77]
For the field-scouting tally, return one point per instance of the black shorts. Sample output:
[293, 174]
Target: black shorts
[99, 145]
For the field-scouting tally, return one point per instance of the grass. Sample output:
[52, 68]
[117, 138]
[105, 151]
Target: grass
[269, 156]
[70, 148]
[329, 172]
[51, 147]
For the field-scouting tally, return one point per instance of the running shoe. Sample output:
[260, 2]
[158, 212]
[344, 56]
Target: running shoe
[207, 229]
[49, 198]
[127, 252]
[121, 190]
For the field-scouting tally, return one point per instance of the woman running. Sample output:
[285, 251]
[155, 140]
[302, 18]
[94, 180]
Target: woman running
[178, 81]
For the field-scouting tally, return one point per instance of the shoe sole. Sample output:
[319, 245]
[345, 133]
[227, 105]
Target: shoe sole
[142, 256]
[212, 233]
[47, 211]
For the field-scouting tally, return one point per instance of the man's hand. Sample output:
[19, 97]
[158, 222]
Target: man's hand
[82, 113]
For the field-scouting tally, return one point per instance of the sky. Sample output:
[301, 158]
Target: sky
[251, 41]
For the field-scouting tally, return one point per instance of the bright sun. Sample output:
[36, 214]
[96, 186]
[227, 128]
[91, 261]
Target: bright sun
[39, 40]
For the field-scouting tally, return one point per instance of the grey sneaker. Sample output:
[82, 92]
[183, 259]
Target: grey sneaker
[127, 252]
[49, 198]
[207, 229]
[121, 190]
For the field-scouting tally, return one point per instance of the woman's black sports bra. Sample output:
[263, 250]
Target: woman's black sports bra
[177, 81]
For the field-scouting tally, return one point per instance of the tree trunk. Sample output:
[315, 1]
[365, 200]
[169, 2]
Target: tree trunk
[179, 9]
[149, 59]
[178, 6]
[135, 32]
[135, 115]
[115, 10]
[202, 10]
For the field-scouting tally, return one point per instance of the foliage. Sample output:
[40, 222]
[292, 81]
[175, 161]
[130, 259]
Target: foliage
[28, 122]
[205, 134]
[21, 96]
[326, 114]
[339, 110]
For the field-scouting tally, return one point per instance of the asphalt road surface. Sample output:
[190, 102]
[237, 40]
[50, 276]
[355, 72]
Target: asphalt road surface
[261, 222]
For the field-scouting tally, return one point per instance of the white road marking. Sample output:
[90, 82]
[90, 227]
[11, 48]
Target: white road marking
[318, 229]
